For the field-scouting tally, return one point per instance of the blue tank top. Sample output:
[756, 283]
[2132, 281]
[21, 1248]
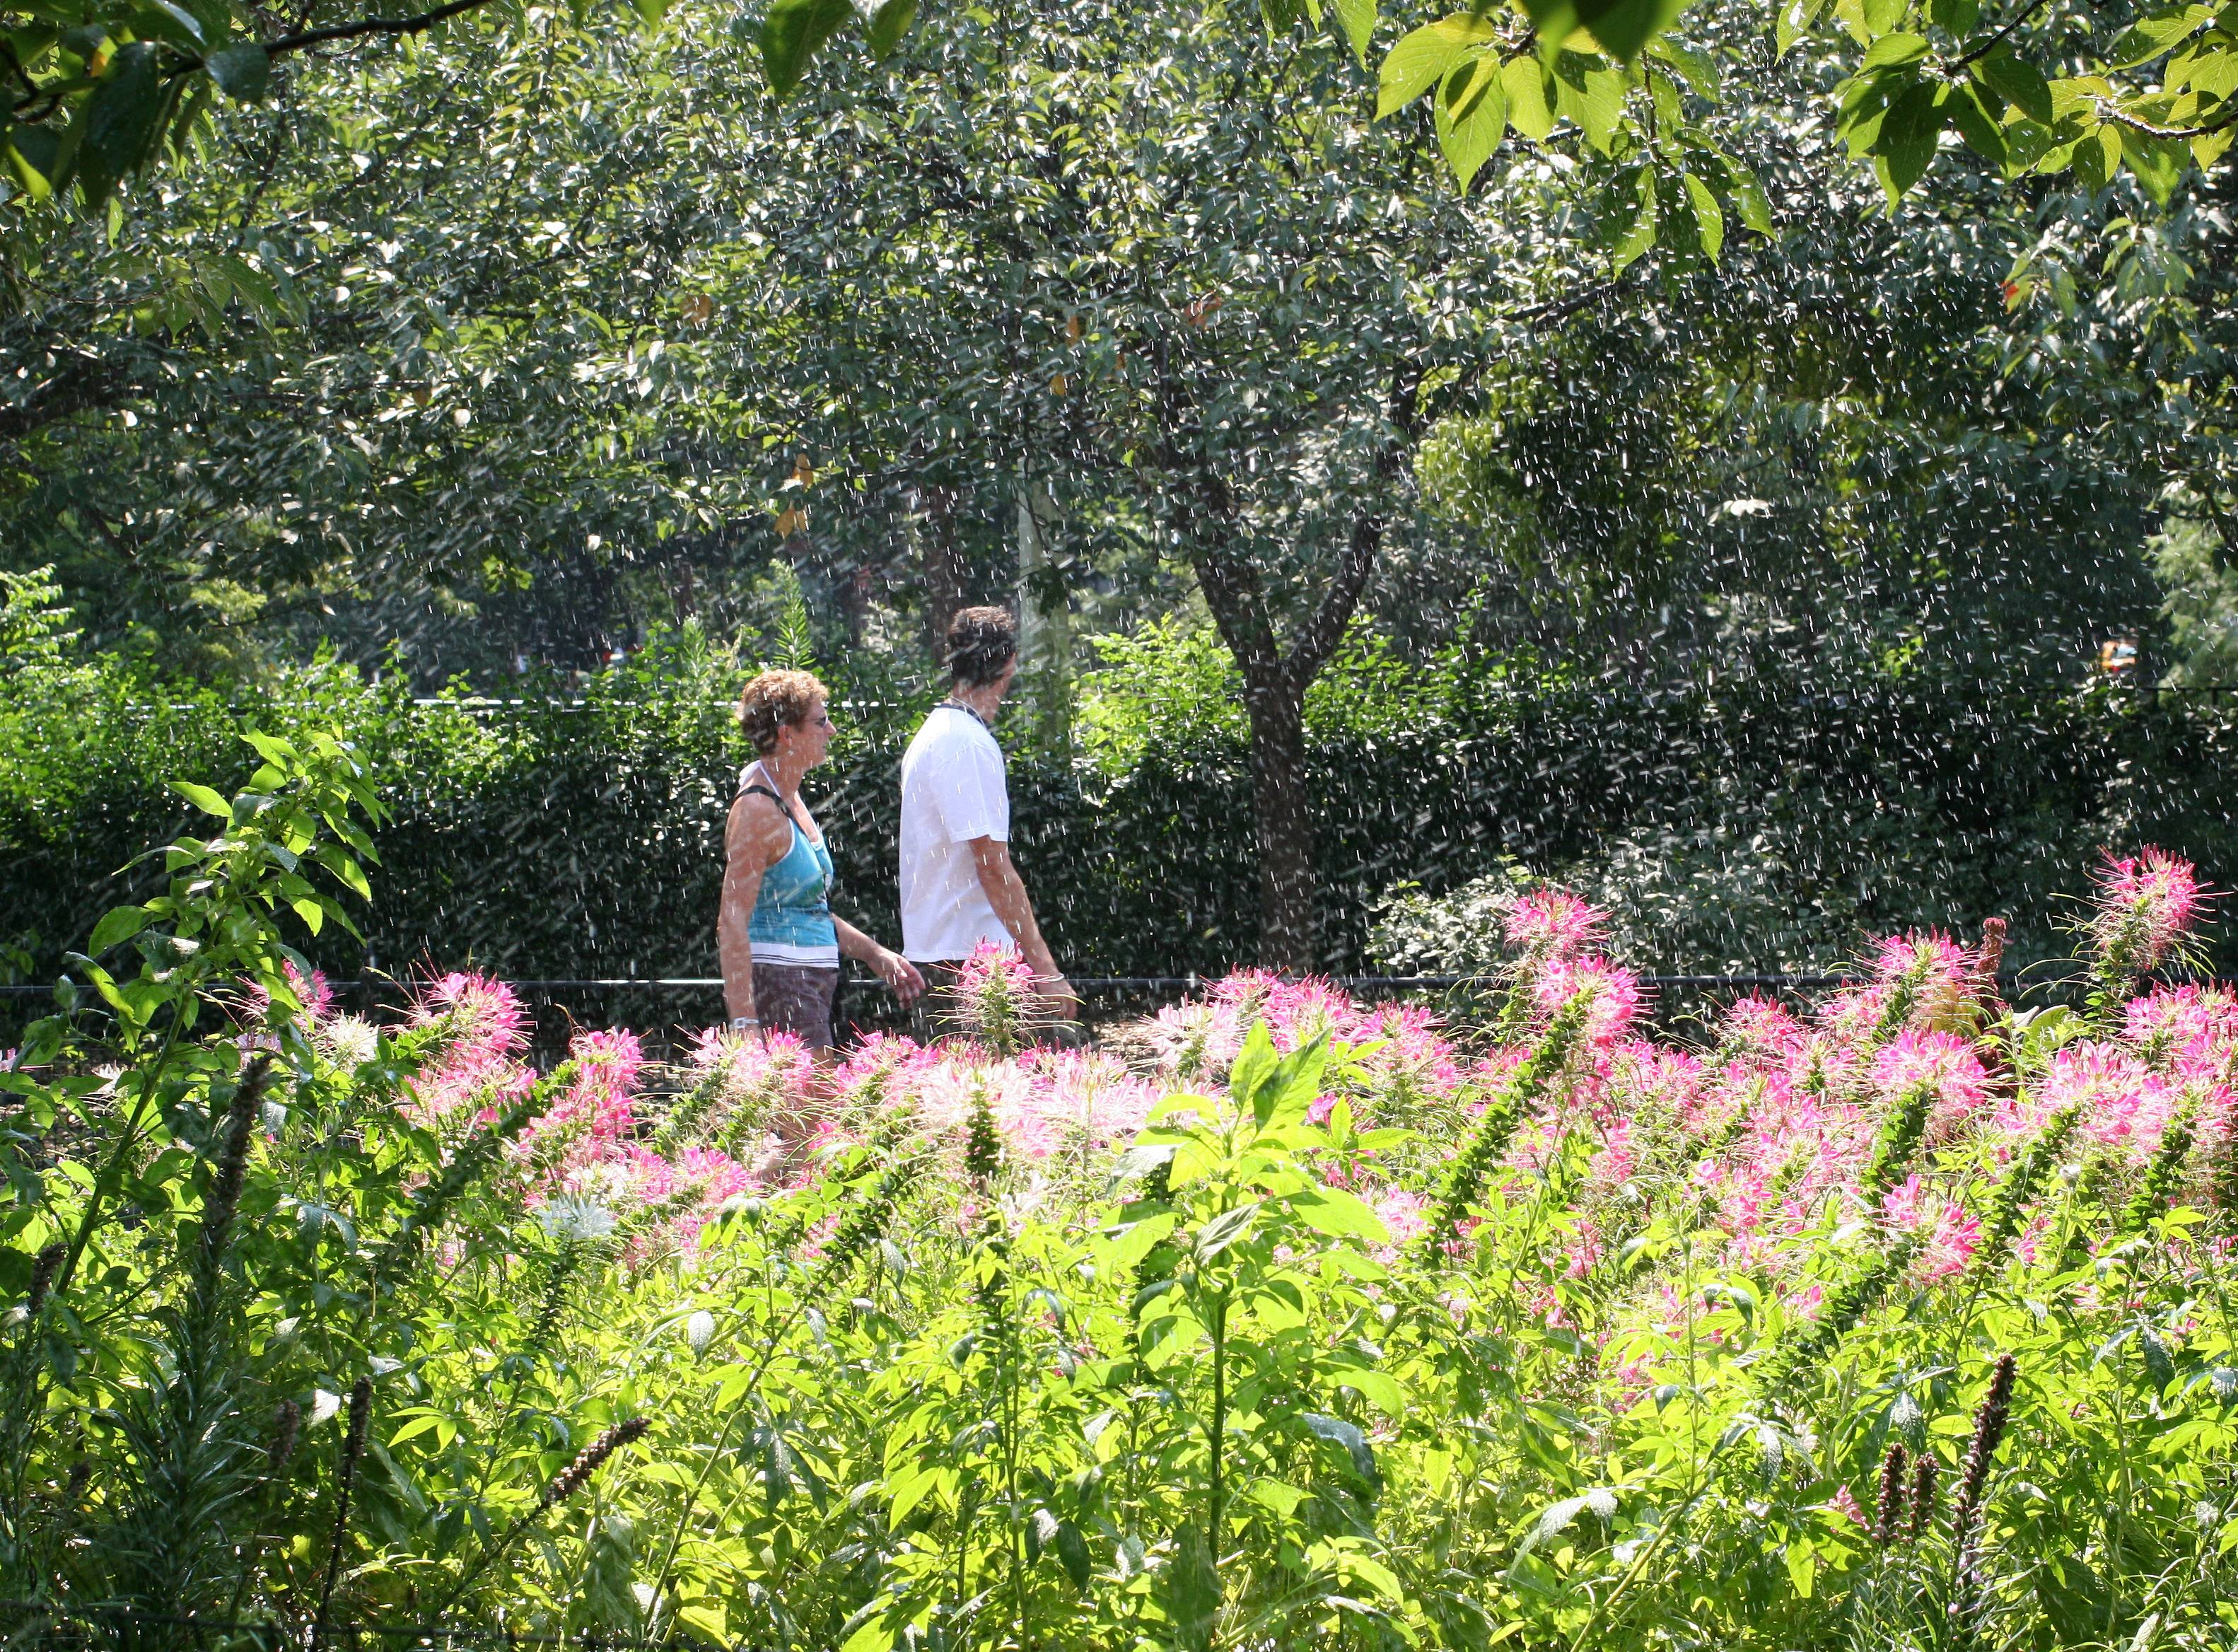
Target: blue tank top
[791, 921]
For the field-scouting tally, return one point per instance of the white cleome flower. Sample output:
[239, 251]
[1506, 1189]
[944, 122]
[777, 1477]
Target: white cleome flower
[352, 1040]
[570, 1217]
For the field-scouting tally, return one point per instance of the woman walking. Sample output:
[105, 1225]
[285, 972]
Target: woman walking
[779, 944]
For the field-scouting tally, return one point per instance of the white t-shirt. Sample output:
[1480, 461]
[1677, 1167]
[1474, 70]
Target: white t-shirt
[953, 790]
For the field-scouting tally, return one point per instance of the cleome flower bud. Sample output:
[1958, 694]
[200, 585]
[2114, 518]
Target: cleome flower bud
[571, 1479]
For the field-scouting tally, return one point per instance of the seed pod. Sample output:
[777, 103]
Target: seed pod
[233, 1161]
[286, 1425]
[1988, 957]
[1988, 1429]
[1923, 1497]
[360, 1415]
[1887, 1514]
[983, 1142]
[43, 1268]
[570, 1480]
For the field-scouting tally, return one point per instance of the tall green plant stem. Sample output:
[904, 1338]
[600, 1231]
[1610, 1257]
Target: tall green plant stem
[106, 1181]
[1216, 1506]
[1654, 1545]
[857, 1230]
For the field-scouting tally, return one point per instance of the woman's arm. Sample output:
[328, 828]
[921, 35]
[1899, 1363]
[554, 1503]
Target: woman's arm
[892, 968]
[747, 855]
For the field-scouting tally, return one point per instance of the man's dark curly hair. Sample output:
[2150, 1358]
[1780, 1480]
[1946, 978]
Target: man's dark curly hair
[981, 642]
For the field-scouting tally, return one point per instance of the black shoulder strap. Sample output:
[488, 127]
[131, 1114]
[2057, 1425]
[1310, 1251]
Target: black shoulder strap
[763, 791]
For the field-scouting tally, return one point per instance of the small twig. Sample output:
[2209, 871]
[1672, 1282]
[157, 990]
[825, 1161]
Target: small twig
[306, 39]
[1998, 38]
[2115, 117]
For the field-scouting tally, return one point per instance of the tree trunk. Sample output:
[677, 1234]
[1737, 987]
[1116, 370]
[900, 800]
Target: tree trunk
[1282, 811]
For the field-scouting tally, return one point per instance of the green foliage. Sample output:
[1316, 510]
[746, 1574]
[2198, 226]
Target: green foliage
[1189, 1393]
[1749, 825]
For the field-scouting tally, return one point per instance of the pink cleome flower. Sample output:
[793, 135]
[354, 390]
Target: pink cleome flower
[2122, 1103]
[2145, 903]
[1613, 996]
[1553, 923]
[2191, 1031]
[1938, 1061]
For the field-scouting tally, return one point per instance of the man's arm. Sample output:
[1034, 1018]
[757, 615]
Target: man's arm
[1006, 893]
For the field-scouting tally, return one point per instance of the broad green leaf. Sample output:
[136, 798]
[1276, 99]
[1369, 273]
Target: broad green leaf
[1709, 216]
[121, 124]
[1339, 1214]
[794, 31]
[1378, 1388]
[2097, 156]
[1696, 66]
[1071, 1549]
[1748, 196]
[1524, 81]
[1596, 106]
[1794, 19]
[1357, 19]
[1347, 1437]
[1422, 59]
[241, 72]
[888, 23]
[1224, 1231]
[203, 799]
[1891, 51]
[118, 923]
[1253, 1069]
[1192, 1589]
[1976, 125]
[2158, 163]
[1626, 27]
[706, 1614]
[161, 20]
[2018, 82]
[37, 156]
[1802, 1567]
[1905, 146]
[426, 1422]
[2155, 36]
[1639, 232]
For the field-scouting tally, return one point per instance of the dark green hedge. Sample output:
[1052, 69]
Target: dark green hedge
[540, 840]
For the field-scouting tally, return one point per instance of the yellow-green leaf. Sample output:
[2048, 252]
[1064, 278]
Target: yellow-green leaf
[1524, 81]
[1422, 57]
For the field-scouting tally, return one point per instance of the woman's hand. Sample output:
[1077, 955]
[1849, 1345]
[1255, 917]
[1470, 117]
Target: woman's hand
[900, 974]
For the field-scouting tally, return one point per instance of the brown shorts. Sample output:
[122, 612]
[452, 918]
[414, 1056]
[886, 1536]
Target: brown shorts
[797, 999]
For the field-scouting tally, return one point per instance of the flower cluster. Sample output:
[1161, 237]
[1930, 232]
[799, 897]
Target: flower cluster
[1900, 1107]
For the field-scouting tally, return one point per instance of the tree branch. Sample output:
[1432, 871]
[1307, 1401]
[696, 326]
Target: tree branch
[2113, 116]
[2000, 37]
[1318, 637]
[420, 25]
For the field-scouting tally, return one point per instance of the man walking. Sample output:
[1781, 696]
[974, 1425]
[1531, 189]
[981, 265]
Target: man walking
[959, 887]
